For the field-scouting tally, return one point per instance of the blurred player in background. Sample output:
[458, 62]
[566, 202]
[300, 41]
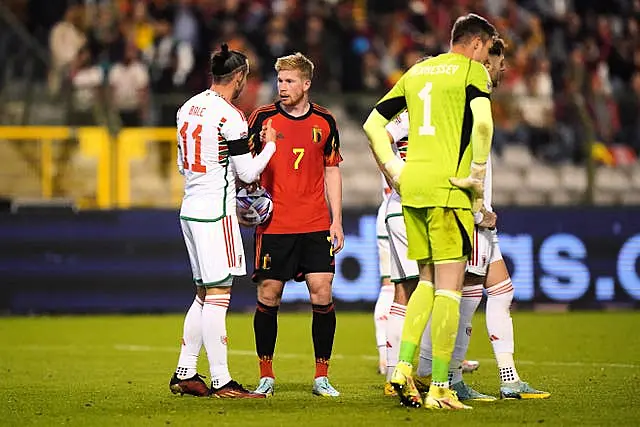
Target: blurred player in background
[487, 269]
[303, 235]
[438, 214]
[212, 143]
[385, 297]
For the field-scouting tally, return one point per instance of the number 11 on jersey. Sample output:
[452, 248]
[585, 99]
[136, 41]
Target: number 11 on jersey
[425, 95]
[195, 135]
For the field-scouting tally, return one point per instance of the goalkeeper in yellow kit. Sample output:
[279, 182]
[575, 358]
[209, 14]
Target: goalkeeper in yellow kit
[441, 185]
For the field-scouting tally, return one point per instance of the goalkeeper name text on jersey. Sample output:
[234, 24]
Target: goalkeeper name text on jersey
[207, 125]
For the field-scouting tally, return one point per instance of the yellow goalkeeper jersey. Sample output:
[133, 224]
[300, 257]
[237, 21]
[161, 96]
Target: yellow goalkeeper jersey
[437, 93]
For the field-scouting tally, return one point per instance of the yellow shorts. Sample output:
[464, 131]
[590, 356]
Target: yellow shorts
[438, 234]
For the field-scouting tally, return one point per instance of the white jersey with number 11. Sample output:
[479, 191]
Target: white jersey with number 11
[207, 124]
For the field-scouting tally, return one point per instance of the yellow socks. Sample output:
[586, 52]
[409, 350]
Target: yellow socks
[444, 327]
[418, 312]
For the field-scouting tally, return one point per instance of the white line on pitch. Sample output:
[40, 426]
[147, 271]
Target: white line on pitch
[250, 353]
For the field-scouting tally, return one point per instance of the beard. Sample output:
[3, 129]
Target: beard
[292, 100]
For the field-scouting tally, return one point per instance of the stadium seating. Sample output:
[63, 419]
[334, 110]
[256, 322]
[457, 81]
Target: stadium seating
[518, 177]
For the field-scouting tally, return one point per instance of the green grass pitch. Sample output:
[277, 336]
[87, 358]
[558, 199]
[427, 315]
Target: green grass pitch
[114, 370]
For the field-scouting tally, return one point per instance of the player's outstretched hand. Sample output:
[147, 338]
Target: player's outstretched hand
[268, 133]
[337, 237]
[473, 183]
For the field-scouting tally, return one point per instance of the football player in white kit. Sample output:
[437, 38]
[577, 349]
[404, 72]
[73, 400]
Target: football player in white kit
[212, 149]
[487, 269]
[385, 297]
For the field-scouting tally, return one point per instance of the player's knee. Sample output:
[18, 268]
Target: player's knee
[221, 289]
[269, 293]
[404, 291]
[472, 279]
[271, 301]
[270, 298]
[320, 296]
[426, 271]
[401, 299]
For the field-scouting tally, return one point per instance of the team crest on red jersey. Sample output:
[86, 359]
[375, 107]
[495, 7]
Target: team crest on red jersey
[316, 134]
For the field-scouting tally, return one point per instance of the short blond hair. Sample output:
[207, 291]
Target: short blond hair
[297, 61]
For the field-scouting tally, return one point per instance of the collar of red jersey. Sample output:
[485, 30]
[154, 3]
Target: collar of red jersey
[289, 116]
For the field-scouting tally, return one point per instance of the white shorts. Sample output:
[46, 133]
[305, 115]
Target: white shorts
[383, 241]
[486, 250]
[402, 268]
[215, 250]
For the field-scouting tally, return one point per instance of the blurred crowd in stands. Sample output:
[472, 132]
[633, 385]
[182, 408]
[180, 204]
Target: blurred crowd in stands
[573, 65]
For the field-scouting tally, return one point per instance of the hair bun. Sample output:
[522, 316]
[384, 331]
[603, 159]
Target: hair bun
[225, 61]
[224, 49]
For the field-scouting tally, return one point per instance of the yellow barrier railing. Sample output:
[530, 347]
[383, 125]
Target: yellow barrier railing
[113, 158]
[94, 144]
[133, 145]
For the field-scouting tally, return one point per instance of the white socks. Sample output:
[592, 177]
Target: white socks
[381, 316]
[507, 371]
[394, 334]
[471, 297]
[191, 341]
[214, 333]
[500, 329]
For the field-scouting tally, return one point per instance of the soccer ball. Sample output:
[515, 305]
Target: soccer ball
[256, 206]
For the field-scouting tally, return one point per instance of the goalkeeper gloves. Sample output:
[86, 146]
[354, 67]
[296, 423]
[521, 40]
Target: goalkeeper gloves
[473, 183]
[393, 169]
[485, 219]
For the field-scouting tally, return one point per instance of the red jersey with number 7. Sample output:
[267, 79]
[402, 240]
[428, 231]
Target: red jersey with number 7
[295, 174]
